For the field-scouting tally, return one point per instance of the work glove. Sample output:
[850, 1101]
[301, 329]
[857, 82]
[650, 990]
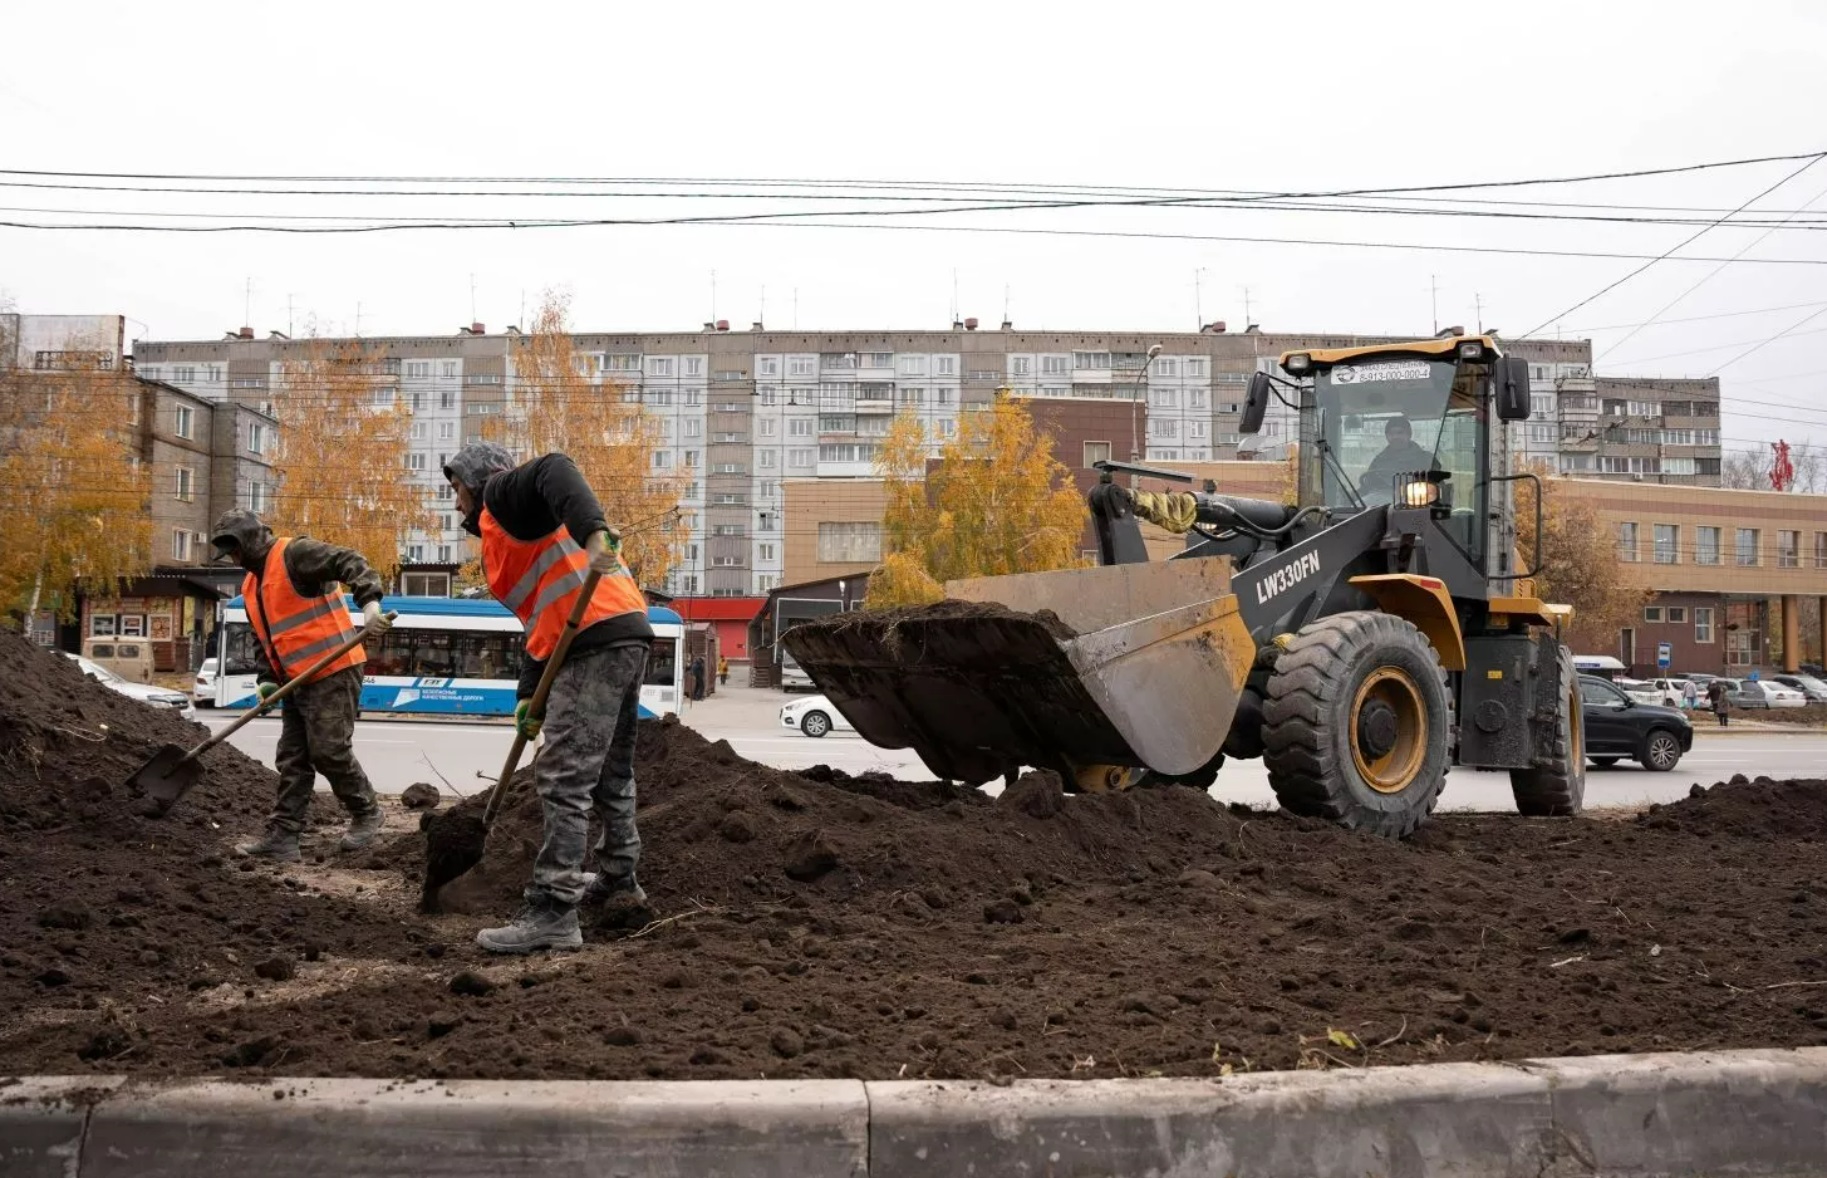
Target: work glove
[603, 548]
[525, 723]
[265, 690]
[375, 620]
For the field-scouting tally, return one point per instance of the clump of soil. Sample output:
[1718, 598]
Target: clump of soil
[99, 900]
[420, 795]
[819, 924]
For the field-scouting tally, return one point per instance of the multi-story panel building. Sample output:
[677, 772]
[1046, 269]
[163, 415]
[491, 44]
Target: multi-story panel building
[742, 412]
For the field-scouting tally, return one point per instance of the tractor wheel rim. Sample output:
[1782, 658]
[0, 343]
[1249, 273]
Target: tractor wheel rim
[1395, 769]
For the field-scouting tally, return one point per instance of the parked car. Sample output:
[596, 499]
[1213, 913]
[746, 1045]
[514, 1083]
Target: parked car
[1812, 687]
[1668, 692]
[1602, 666]
[1641, 690]
[792, 676]
[1619, 728]
[204, 690]
[146, 693]
[1758, 693]
[814, 716]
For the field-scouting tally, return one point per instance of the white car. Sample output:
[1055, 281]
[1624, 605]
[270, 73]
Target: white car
[146, 693]
[204, 690]
[1756, 693]
[814, 716]
[1639, 690]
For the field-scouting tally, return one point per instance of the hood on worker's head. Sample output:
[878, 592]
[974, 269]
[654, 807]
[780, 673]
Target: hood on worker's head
[240, 536]
[473, 466]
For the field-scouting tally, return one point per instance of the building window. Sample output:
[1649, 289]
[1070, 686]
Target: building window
[764, 551]
[418, 369]
[662, 460]
[1747, 546]
[946, 366]
[415, 460]
[101, 625]
[1703, 624]
[1741, 647]
[1091, 361]
[1096, 452]
[447, 400]
[801, 366]
[850, 543]
[1706, 545]
[256, 438]
[1820, 550]
[1627, 542]
[1195, 368]
[1020, 365]
[180, 545]
[799, 427]
[799, 459]
[768, 366]
[1677, 614]
[769, 426]
[769, 459]
[1788, 550]
[1668, 544]
[415, 553]
[187, 422]
[1055, 365]
[259, 496]
[659, 366]
[1652, 613]
[1167, 367]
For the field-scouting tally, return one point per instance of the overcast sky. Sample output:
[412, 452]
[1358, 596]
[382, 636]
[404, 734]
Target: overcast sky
[1210, 96]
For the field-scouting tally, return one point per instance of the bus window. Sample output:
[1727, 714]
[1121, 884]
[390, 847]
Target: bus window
[238, 637]
[661, 671]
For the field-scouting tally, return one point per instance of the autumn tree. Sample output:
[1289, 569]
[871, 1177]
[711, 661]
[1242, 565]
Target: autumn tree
[560, 404]
[76, 490]
[344, 441]
[995, 501]
[1579, 563]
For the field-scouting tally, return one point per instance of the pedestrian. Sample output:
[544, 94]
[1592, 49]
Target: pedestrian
[1716, 695]
[723, 671]
[294, 595]
[543, 531]
[1690, 695]
[697, 678]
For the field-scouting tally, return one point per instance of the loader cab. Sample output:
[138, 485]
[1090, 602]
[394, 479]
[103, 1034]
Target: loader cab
[1411, 426]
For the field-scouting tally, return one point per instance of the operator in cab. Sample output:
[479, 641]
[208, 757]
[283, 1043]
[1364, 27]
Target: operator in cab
[1403, 455]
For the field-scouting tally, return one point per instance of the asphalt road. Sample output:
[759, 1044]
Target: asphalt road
[397, 753]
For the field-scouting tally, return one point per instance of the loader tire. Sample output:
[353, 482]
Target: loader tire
[1556, 786]
[1356, 724]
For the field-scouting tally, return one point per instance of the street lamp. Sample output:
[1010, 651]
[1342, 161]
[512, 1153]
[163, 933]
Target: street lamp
[1135, 390]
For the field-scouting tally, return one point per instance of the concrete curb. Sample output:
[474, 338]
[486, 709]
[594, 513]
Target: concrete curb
[1752, 1113]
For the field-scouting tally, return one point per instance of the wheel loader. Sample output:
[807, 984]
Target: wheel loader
[1359, 640]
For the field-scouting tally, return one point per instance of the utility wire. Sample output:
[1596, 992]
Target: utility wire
[1811, 161]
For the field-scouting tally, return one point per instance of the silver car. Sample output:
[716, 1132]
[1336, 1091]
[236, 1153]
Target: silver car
[146, 693]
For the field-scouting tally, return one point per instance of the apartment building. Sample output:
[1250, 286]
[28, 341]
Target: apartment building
[742, 412]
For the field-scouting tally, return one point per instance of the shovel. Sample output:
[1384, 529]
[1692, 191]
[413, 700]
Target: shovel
[455, 841]
[170, 773]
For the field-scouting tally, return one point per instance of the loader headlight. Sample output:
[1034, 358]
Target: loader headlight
[1419, 494]
[1299, 362]
[1471, 350]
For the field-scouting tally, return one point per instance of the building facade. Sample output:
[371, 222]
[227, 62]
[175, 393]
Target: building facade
[744, 412]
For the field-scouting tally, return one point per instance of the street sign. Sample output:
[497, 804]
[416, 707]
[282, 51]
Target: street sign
[1663, 651]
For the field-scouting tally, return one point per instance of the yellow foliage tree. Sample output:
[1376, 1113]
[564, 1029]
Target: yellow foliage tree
[344, 439]
[559, 405]
[996, 501]
[1580, 565]
[76, 490]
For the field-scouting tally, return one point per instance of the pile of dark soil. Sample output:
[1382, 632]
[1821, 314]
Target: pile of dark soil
[101, 905]
[820, 924]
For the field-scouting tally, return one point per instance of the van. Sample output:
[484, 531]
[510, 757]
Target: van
[130, 658]
[1601, 665]
[792, 677]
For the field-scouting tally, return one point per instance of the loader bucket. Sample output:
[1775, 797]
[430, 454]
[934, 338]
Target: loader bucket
[1133, 665]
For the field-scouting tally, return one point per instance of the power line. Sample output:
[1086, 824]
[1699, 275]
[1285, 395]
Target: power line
[1697, 318]
[1785, 332]
[1811, 161]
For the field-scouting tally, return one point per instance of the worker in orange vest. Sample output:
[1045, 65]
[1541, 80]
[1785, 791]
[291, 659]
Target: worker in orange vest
[296, 611]
[543, 532]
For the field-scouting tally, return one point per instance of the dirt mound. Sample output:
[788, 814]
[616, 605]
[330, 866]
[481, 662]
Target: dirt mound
[820, 924]
[1788, 810]
[97, 899]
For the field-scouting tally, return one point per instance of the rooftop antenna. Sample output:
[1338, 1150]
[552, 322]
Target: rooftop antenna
[796, 308]
[1434, 287]
[1198, 298]
[954, 294]
[247, 306]
[288, 315]
[472, 296]
[358, 319]
[713, 296]
[1478, 306]
[1247, 319]
[764, 303]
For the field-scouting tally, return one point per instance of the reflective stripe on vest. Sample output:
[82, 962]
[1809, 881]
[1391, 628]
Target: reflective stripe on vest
[296, 631]
[539, 580]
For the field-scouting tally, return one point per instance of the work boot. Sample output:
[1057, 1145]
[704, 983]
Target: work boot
[362, 829]
[536, 927]
[281, 846]
[603, 888]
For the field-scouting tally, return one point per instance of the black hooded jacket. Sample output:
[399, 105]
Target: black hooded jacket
[530, 501]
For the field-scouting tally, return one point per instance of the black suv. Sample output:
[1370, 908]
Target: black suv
[1619, 728]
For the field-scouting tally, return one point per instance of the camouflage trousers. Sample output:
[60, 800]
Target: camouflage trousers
[316, 735]
[586, 766]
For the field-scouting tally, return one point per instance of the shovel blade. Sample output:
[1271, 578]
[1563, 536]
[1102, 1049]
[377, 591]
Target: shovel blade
[167, 776]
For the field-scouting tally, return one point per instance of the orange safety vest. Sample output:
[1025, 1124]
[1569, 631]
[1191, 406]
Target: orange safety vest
[297, 631]
[539, 580]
